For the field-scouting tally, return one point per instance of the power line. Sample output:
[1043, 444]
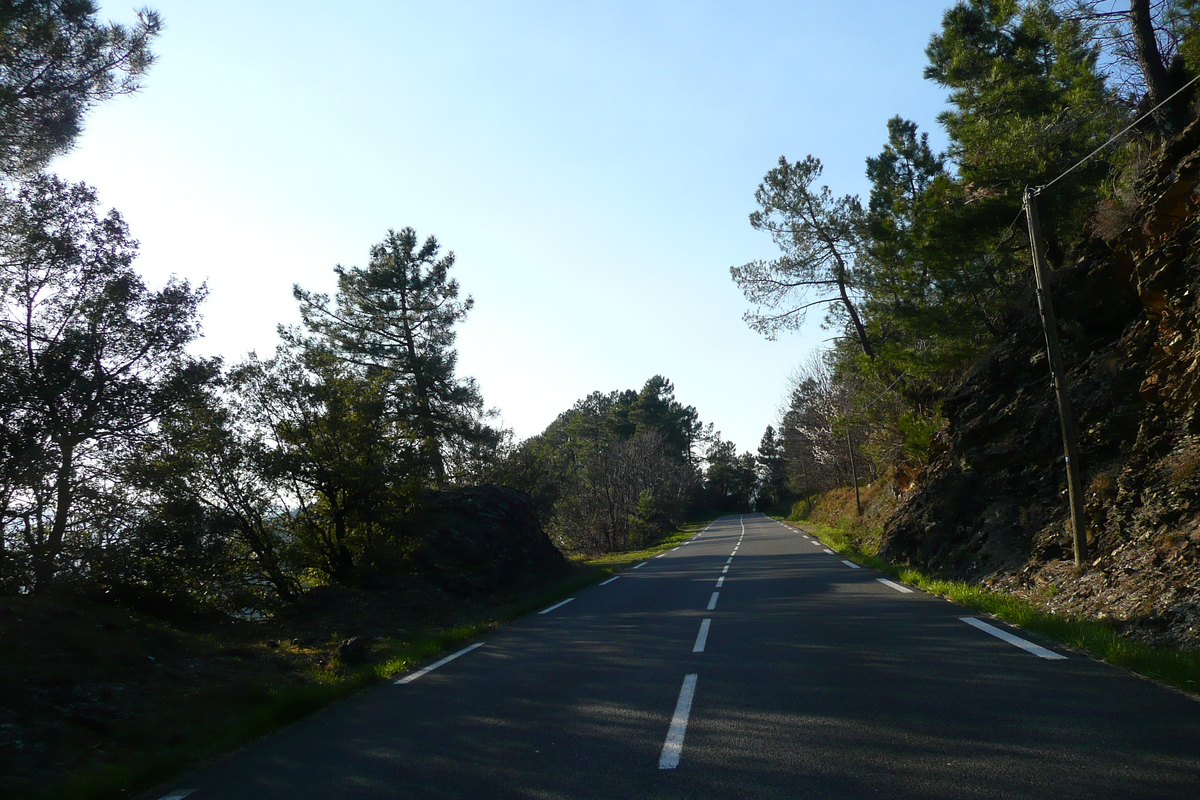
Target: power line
[1038, 189]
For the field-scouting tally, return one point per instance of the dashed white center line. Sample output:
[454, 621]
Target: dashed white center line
[660, 555]
[806, 536]
[610, 580]
[712, 601]
[443, 662]
[894, 585]
[673, 747]
[720, 581]
[814, 542]
[702, 637]
[639, 566]
[556, 605]
[1017, 641]
[182, 793]
[730, 561]
[851, 564]
[724, 569]
[827, 550]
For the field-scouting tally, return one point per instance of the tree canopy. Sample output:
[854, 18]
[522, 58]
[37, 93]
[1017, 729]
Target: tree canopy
[56, 62]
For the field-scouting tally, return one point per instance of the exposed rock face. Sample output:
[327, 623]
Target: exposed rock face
[480, 538]
[992, 502]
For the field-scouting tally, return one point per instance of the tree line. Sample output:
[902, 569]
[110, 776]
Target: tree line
[131, 468]
[923, 276]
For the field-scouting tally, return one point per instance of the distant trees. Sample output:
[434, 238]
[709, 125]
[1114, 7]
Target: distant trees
[772, 470]
[731, 479]
[612, 470]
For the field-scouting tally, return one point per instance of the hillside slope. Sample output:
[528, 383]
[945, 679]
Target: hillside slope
[991, 504]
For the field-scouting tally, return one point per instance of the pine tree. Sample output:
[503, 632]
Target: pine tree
[394, 321]
[819, 237]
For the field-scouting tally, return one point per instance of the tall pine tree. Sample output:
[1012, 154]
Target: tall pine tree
[394, 320]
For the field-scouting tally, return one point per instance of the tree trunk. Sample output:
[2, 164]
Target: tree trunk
[859, 328]
[433, 450]
[1159, 85]
[47, 555]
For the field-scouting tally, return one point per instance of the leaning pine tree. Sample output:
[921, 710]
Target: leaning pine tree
[394, 320]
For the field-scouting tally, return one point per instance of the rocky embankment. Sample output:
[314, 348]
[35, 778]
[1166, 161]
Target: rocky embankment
[991, 504]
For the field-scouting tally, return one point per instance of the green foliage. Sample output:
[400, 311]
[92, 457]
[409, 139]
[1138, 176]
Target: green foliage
[613, 471]
[929, 273]
[333, 447]
[772, 470]
[731, 480]
[819, 237]
[1027, 102]
[56, 62]
[91, 360]
[393, 323]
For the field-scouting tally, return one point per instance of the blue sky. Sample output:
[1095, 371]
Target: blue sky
[591, 164]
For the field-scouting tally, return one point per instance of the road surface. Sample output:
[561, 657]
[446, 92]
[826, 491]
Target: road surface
[749, 662]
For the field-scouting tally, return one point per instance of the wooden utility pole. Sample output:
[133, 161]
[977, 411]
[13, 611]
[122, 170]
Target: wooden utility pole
[853, 471]
[807, 491]
[1066, 418]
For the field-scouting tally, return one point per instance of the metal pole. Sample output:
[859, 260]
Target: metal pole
[1070, 434]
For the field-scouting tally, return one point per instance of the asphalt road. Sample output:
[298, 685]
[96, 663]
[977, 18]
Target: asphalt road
[811, 679]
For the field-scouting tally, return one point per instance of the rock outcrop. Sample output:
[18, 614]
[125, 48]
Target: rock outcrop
[478, 539]
[991, 504]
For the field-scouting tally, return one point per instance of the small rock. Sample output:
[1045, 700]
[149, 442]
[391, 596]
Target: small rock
[353, 649]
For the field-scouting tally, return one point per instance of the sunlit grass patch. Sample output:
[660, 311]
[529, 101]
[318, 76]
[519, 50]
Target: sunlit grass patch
[615, 562]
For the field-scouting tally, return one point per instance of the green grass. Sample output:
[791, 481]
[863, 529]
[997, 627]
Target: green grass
[268, 708]
[615, 562]
[1179, 668]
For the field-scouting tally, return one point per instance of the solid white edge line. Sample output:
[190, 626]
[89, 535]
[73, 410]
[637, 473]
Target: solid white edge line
[894, 585]
[610, 580]
[556, 605]
[639, 566]
[712, 601]
[702, 637]
[851, 564]
[673, 746]
[1017, 641]
[436, 664]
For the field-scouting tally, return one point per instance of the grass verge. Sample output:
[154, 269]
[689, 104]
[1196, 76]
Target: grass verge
[1179, 668]
[258, 710]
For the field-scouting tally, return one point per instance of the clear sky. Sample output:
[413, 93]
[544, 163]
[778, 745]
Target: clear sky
[590, 162]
